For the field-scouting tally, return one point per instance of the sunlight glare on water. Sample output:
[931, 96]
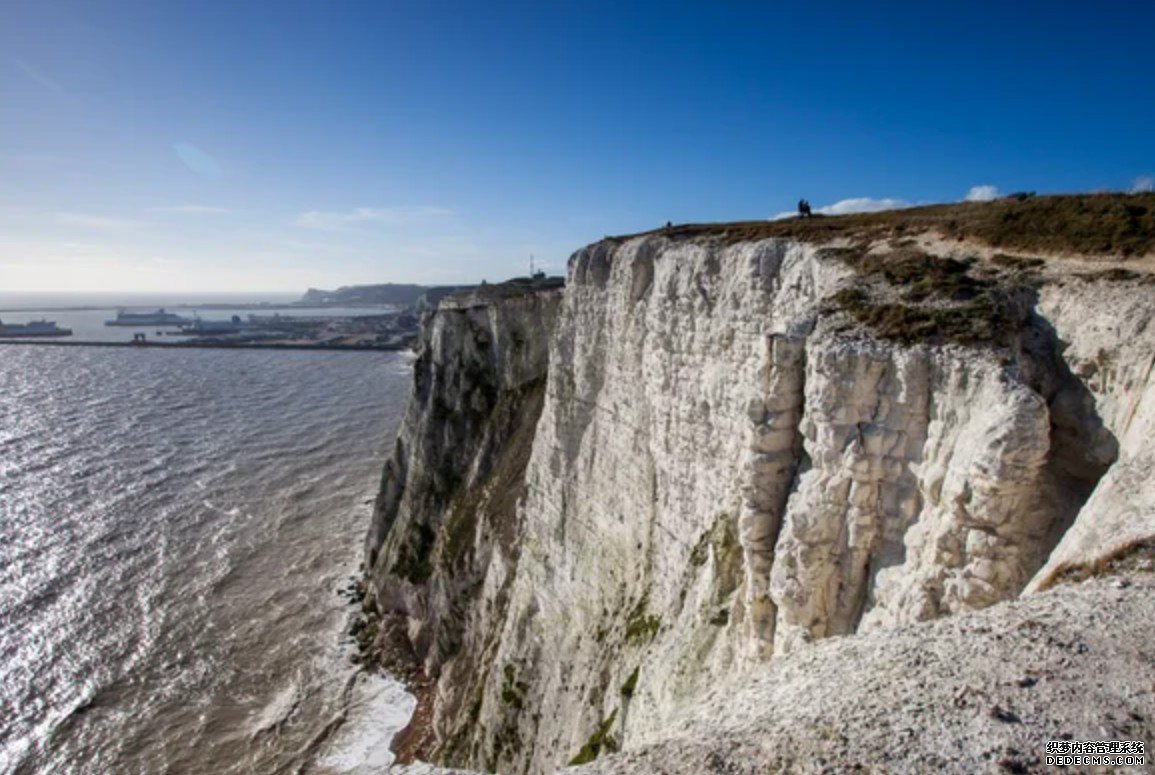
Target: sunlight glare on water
[174, 527]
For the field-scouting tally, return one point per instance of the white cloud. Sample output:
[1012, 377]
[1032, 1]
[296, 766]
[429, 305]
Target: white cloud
[388, 216]
[1144, 184]
[189, 209]
[862, 204]
[982, 194]
[98, 222]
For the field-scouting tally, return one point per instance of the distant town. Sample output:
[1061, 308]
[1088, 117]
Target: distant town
[365, 317]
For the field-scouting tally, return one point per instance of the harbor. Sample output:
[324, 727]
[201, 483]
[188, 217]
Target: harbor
[384, 328]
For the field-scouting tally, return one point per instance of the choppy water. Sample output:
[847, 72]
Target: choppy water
[174, 527]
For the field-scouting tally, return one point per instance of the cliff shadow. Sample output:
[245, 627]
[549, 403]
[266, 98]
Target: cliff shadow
[1082, 447]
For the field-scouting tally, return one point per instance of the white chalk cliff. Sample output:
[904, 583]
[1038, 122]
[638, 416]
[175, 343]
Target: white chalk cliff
[697, 461]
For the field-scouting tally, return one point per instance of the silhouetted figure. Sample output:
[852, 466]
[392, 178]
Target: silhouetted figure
[803, 208]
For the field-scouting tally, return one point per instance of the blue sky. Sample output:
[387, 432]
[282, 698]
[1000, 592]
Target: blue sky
[240, 145]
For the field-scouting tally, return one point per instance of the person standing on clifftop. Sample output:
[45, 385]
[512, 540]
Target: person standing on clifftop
[803, 208]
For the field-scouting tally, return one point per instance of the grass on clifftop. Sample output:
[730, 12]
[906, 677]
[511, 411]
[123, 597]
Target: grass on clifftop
[982, 321]
[1089, 224]
[909, 297]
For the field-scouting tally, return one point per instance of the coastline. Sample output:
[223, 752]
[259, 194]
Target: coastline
[414, 742]
[382, 646]
[213, 345]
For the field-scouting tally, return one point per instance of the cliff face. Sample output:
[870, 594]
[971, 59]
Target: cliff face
[447, 497]
[741, 448]
[1110, 344]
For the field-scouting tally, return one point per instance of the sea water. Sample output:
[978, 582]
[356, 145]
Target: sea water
[174, 529]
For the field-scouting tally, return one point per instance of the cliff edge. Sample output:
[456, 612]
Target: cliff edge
[724, 444]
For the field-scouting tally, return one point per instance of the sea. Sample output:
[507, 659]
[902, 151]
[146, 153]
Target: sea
[175, 527]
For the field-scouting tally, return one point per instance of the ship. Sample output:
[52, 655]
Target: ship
[210, 327]
[158, 318]
[33, 328]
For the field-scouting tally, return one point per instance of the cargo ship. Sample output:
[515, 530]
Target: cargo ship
[158, 318]
[33, 328]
